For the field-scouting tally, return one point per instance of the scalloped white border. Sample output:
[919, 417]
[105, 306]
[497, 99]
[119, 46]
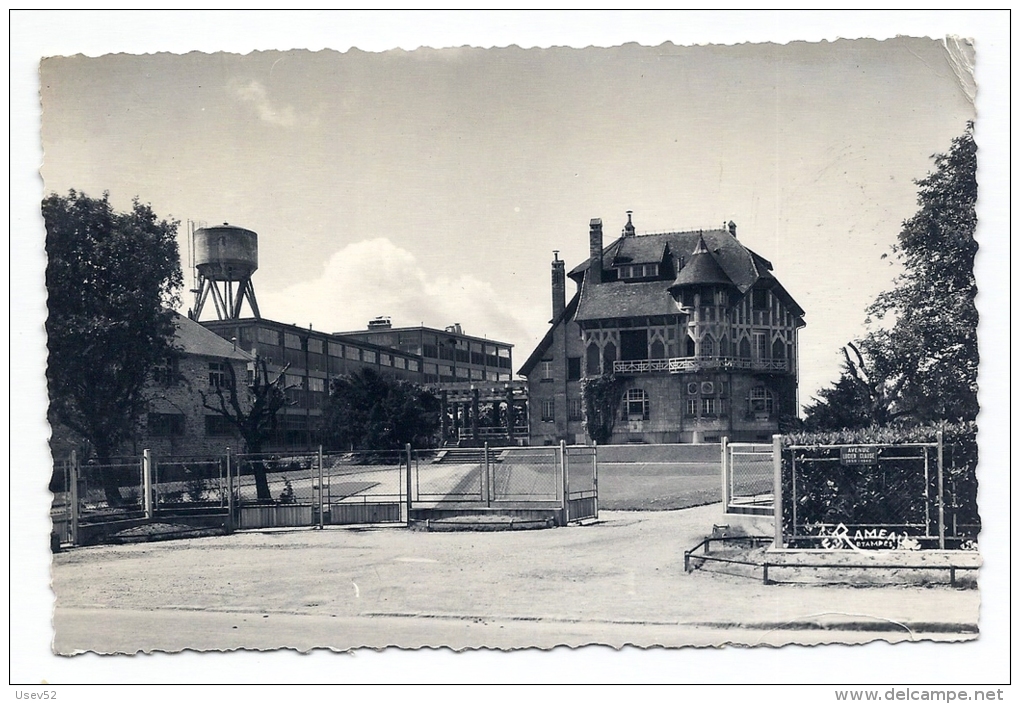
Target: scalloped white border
[37, 33]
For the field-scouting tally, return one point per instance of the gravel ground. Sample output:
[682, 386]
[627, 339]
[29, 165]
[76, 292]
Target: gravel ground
[618, 580]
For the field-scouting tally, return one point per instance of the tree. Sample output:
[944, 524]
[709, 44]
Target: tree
[252, 411]
[368, 411]
[113, 280]
[853, 402]
[930, 351]
[922, 364]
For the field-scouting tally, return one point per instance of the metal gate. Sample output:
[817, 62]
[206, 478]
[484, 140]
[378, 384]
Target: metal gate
[748, 478]
[554, 478]
[581, 482]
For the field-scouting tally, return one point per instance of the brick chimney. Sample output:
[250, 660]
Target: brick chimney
[559, 285]
[595, 250]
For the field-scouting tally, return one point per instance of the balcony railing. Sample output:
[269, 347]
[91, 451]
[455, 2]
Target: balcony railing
[678, 365]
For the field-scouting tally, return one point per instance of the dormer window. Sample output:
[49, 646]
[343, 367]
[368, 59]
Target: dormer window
[638, 271]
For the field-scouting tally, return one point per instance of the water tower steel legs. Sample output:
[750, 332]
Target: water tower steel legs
[227, 303]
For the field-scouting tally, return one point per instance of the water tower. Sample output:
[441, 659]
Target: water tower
[225, 258]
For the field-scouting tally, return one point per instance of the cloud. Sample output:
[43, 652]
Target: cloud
[256, 94]
[375, 277]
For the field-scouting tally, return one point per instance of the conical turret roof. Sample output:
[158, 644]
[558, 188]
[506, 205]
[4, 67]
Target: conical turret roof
[701, 270]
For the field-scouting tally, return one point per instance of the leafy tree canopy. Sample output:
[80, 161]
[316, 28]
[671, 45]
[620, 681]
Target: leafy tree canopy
[368, 411]
[112, 280]
[920, 361]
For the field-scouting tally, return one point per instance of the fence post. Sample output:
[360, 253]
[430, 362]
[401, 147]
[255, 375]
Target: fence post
[595, 474]
[566, 482]
[777, 488]
[407, 450]
[74, 497]
[486, 479]
[726, 469]
[147, 482]
[322, 507]
[942, 504]
[230, 495]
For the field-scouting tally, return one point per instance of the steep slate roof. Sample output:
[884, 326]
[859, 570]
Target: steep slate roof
[193, 338]
[727, 261]
[638, 250]
[701, 269]
[622, 299]
[547, 340]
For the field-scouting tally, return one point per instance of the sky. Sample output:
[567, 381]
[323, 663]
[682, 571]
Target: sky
[433, 185]
[610, 152]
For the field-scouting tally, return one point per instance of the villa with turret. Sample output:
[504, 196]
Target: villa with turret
[695, 326]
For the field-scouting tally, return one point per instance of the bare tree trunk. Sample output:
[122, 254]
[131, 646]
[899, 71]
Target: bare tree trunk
[261, 482]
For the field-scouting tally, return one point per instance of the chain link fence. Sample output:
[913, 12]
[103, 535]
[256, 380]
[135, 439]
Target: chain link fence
[365, 487]
[450, 475]
[891, 496]
[523, 474]
[189, 482]
[748, 478]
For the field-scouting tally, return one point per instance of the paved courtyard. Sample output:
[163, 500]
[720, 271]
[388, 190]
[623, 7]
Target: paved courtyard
[616, 581]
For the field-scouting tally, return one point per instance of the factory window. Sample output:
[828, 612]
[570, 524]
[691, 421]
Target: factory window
[335, 349]
[637, 404]
[368, 356]
[573, 368]
[217, 375]
[291, 340]
[574, 409]
[547, 370]
[316, 384]
[353, 353]
[386, 360]
[412, 364]
[218, 426]
[315, 346]
[493, 376]
[462, 372]
[268, 337]
[400, 363]
[162, 425]
[548, 410]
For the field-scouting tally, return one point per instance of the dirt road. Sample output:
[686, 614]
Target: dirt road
[619, 580]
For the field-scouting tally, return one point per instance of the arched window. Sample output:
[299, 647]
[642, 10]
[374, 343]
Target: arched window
[745, 348]
[707, 347]
[592, 360]
[658, 350]
[689, 347]
[778, 349]
[608, 357]
[636, 406]
[724, 346]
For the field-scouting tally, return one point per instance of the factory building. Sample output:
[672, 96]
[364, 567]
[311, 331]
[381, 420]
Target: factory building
[465, 371]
